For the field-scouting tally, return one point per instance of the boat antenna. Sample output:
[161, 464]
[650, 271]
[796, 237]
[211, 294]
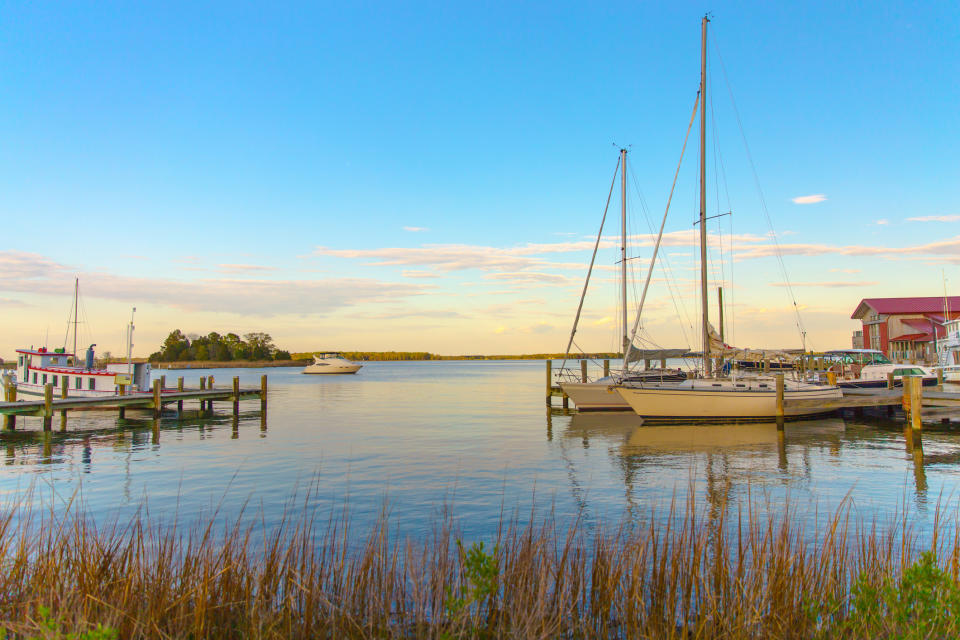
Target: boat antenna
[76, 299]
[703, 199]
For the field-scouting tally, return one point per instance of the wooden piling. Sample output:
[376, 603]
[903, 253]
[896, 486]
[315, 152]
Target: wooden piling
[157, 402]
[905, 401]
[766, 366]
[939, 379]
[780, 392]
[179, 402]
[583, 371]
[663, 363]
[832, 378]
[916, 403]
[122, 411]
[203, 385]
[263, 394]
[606, 368]
[890, 380]
[236, 396]
[549, 380]
[9, 395]
[63, 394]
[47, 406]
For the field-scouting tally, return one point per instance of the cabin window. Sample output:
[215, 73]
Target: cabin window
[34, 377]
[91, 383]
[78, 383]
[54, 380]
[44, 378]
[20, 361]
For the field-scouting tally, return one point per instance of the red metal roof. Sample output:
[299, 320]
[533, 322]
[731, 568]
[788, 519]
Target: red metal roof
[921, 337]
[932, 304]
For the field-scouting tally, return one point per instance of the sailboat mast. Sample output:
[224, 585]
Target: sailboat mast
[703, 198]
[623, 249]
[76, 300]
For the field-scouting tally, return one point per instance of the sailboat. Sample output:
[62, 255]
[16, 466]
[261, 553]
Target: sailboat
[597, 395]
[713, 396]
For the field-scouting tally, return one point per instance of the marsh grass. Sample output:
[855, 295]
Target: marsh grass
[684, 574]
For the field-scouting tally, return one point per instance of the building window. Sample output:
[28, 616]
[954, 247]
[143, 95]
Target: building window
[91, 383]
[78, 383]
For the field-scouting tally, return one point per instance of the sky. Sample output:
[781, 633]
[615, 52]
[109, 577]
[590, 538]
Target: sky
[431, 176]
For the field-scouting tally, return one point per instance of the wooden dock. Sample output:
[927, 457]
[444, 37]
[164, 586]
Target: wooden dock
[155, 400]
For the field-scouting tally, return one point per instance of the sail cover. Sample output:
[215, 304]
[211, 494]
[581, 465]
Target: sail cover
[637, 354]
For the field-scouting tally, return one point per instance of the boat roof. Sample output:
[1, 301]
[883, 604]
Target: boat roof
[853, 351]
[43, 352]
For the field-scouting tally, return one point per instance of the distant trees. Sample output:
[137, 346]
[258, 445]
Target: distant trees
[215, 347]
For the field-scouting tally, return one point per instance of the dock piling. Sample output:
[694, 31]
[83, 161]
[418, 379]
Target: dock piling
[263, 394]
[583, 371]
[606, 368]
[63, 394]
[549, 380]
[179, 402]
[236, 396]
[122, 411]
[203, 386]
[832, 378]
[939, 379]
[890, 380]
[780, 391]
[47, 406]
[916, 402]
[157, 402]
[9, 395]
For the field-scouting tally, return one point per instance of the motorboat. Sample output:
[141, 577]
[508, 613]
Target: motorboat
[331, 363]
[869, 369]
[948, 351]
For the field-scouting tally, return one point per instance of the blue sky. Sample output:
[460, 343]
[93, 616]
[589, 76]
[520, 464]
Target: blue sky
[232, 166]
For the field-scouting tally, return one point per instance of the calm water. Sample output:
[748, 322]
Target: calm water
[473, 435]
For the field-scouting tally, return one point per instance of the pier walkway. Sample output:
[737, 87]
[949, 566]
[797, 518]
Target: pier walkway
[154, 400]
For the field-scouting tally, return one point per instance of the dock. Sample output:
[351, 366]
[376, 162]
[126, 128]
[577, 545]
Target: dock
[154, 400]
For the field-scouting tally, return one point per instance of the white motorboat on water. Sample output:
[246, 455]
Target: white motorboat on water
[331, 363]
[948, 351]
[713, 396]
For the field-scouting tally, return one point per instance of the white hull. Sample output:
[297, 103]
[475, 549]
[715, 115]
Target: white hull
[353, 368]
[594, 396]
[25, 389]
[712, 399]
[331, 363]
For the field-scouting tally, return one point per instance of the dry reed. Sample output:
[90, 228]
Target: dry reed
[682, 575]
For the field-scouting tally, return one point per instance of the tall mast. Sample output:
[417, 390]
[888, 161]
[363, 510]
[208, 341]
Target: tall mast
[76, 300]
[623, 248]
[703, 197]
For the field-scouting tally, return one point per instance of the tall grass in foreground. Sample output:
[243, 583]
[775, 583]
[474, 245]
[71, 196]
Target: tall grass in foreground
[681, 576]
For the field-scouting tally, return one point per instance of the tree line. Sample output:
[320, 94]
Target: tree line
[425, 355]
[215, 347]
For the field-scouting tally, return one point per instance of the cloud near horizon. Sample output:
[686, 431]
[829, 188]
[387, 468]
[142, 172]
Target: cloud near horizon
[950, 218]
[36, 274]
[811, 199]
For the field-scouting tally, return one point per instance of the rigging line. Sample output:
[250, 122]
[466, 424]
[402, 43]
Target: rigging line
[656, 247]
[671, 282]
[596, 246]
[763, 202]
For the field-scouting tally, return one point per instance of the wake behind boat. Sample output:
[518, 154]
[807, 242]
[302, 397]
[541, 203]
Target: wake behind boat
[331, 363]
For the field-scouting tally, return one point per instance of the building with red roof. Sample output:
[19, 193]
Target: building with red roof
[905, 329]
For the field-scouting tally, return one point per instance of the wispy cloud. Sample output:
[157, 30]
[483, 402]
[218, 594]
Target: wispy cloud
[415, 229]
[33, 273]
[845, 270]
[419, 274]
[950, 218]
[881, 222]
[244, 268]
[811, 199]
[827, 284]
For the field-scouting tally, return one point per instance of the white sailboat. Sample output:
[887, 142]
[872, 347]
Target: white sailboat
[713, 397]
[598, 395]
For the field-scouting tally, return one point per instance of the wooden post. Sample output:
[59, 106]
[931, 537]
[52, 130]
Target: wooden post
[832, 378]
[646, 364]
[157, 402]
[780, 390]
[890, 380]
[905, 399]
[766, 366]
[916, 403]
[47, 406]
[210, 382]
[549, 380]
[63, 394]
[10, 395]
[606, 368]
[939, 379]
[163, 382]
[236, 396]
[663, 363]
[203, 386]
[583, 371]
[122, 411]
[179, 402]
[263, 394]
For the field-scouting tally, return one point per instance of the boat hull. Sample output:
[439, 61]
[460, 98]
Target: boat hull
[593, 396]
[334, 369]
[702, 402]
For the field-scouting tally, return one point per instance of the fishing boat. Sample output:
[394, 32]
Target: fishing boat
[869, 368]
[331, 363]
[38, 367]
[713, 396]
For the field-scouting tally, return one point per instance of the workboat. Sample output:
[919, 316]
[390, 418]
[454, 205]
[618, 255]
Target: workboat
[331, 363]
[38, 367]
[713, 396]
[948, 351]
[869, 368]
